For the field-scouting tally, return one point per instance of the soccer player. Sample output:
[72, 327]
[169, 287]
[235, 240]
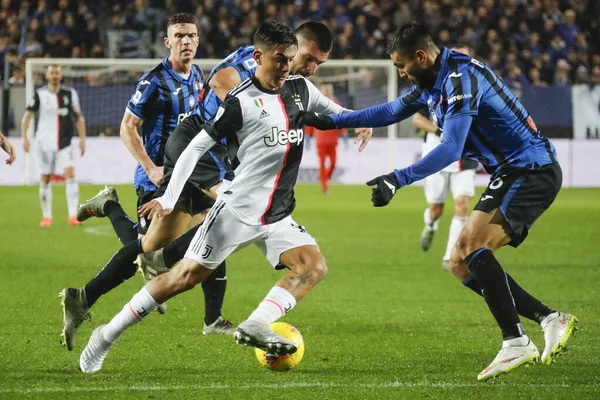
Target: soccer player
[458, 177]
[327, 142]
[58, 106]
[8, 148]
[481, 119]
[163, 98]
[254, 208]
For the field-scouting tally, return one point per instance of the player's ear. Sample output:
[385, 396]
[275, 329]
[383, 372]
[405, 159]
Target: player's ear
[421, 57]
[257, 54]
[167, 42]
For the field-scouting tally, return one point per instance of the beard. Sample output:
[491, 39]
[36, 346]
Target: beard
[425, 78]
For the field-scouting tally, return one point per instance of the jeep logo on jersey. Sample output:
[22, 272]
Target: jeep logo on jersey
[63, 111]
[293, 136]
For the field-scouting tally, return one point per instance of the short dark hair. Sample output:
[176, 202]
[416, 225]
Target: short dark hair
[273, 34]
[181, 18]
[409, 38]
[316, 32]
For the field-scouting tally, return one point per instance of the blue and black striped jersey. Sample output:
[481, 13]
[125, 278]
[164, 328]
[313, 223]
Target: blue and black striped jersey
[502, 133]
[162, 99]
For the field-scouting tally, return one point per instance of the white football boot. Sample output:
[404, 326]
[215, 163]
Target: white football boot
[94, 353]
[509, 358]
[558, 328]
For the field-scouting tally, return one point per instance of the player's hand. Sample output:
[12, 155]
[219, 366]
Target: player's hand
[320, 121]
[156, 175]
[363, 135]
[26, 145]
[82, 147]
[385, 188]
[10, 150]
[153, 208]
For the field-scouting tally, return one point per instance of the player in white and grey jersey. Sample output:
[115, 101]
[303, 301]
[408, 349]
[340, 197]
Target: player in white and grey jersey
[59, 116]
[254, 208]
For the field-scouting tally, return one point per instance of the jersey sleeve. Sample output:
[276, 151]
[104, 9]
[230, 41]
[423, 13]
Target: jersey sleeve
[321, 104]
[227, 120]
[414, 99]
[462, 94]
[143, 99]
[76, 106]
[34, 103]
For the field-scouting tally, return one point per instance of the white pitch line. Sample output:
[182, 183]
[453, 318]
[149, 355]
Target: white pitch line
[292, 385]
[99, 230]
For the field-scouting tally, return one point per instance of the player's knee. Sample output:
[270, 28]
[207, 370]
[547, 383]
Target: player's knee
[461, 206]
[319, 269]
[436, 211]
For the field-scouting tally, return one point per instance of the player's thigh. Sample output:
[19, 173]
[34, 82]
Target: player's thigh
[483, 229]
[521, 196]
[322, 153]
[166, 228]
[283, 237]
[436, 188]
[462, 183]
[64, 161]
[333, 155]
[45, 160]
[222, 234]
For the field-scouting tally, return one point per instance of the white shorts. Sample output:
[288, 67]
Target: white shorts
[54, 161]
[223, 233]
[459, 183]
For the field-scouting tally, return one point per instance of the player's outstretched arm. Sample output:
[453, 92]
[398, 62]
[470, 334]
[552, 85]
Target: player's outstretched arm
[81, 130]
[423, 123]
[131, 138]
[450, 150]
[8, 148]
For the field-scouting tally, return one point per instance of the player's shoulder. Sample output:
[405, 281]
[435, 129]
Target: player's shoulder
[241, 88]
[68, 89]
[295, 82]
[151, 77]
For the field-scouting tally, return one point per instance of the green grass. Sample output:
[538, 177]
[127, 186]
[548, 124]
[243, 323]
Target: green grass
[386, 323]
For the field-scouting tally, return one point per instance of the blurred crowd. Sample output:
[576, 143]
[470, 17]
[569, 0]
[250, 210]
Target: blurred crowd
[528, 42]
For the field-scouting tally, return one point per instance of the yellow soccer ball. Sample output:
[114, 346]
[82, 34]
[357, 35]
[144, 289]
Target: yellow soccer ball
[287, 362]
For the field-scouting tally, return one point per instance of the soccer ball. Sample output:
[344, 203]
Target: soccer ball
[287, 362]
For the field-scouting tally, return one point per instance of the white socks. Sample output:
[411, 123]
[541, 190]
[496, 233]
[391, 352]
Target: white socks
[140, 305]
[72, 189]
[277, 303]
[431, 225]
[46, 199]
[456, 227]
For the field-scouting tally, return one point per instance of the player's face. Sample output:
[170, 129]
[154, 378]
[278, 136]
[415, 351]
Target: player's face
[308, 59]
[183, 41]
[275, 64]
[414, 68]
[54, 75]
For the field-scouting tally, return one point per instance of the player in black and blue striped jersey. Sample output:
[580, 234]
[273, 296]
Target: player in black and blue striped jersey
[482, 120]
[163, 98]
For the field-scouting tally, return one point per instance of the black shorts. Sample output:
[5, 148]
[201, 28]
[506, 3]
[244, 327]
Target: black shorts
[212, 168]
[522, 195]
[144, 196]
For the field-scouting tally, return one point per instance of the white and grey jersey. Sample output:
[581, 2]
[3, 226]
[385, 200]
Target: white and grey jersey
[57, 112]
[269, 147]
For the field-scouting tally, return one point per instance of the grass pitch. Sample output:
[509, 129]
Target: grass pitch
[386, 323]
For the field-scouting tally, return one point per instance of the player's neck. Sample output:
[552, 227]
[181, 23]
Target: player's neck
[180, 67]
[54, 88]
[264, 82]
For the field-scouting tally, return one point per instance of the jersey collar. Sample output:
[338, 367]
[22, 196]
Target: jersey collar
[441, 62]
[174, 73]
[263, 89]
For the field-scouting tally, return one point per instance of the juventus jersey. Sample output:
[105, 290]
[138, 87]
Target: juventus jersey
[57, 113]
[258, 122]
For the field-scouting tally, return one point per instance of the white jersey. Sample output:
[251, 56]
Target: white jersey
[258, 122]
[57, 114]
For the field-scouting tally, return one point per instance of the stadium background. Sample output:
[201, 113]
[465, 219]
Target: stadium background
[387, 323]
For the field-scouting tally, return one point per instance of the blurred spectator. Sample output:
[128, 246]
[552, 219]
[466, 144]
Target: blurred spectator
[540, 41]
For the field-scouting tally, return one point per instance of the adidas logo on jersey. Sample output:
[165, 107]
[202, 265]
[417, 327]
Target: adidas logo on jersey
[263, 114]
[293, 136]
